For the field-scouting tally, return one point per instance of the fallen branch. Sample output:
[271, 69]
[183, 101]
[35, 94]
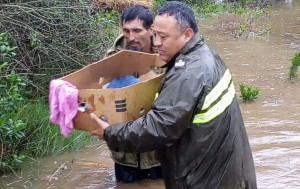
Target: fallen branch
[56, 173]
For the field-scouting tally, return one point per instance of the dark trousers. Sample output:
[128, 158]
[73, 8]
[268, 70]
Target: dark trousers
[129, 174]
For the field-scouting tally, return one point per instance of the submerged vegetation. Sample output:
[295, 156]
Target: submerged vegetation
[244, 23]
[295, 63]
[249, 93]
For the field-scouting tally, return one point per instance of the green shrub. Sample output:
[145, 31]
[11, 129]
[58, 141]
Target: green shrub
[245, 2]
[246, 18]
[295, 62]
[55, 37]
[25, 129]
[240, 10]
[156, 5]
[265, 30]
[12, 86]
[215, 8]
[248, 93]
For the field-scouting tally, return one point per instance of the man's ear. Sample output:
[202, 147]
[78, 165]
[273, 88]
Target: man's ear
[151, 29]
[188, 34]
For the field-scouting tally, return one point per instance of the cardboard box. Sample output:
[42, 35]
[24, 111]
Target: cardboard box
[117, 105]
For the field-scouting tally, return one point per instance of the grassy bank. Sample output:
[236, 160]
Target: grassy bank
[38, 137]
[44, 138]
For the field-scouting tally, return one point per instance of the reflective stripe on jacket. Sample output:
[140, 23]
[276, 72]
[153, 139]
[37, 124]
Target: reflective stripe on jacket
[220, 97]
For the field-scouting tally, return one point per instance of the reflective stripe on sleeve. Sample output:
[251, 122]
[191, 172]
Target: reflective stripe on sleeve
[216, 92]
[217, 100]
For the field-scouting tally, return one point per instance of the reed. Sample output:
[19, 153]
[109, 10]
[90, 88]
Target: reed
[42, 137]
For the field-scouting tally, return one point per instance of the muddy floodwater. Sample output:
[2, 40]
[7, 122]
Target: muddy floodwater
[272, 120]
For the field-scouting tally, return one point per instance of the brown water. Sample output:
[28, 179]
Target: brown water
[272, 121]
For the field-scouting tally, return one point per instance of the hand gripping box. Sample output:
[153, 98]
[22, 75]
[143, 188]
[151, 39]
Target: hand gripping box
[121, 104]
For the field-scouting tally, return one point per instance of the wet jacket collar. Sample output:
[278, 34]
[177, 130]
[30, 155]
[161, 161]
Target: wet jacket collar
[197, 40]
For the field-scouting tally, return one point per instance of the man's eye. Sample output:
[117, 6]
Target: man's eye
[161, 37]
[137, 31]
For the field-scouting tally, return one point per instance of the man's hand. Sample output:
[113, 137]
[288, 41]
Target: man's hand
[102, 125]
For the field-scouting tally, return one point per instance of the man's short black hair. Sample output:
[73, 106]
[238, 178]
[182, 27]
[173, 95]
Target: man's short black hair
[183, 14]
[138, 12]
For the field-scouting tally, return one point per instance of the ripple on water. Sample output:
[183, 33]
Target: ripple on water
[277, 167]
[272, 103]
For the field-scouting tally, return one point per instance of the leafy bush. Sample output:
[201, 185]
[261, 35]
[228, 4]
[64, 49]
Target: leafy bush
[295, 63]
[12, 86]
[25, 129]
[245, 19]
[156, 5]
[55, 37]
[197, 2]
[248, 93]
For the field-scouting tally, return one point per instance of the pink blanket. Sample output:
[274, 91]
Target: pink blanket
[63, 101]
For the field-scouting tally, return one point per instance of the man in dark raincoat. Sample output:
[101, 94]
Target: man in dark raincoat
[195, 124]
[136, 22]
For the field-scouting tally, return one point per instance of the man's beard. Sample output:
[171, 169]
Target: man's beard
[131, 46]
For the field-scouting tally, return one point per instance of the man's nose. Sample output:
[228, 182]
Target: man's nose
[157, 42]
[131, 36]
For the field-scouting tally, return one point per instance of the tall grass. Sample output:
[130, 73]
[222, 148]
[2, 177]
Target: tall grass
[44, 138]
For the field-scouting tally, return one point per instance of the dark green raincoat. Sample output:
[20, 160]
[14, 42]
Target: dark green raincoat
[195, 125]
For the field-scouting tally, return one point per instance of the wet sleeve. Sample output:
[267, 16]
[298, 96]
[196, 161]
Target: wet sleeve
[171, 114]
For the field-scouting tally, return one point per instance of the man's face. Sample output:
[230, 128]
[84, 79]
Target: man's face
[169, 39]
[138, 37]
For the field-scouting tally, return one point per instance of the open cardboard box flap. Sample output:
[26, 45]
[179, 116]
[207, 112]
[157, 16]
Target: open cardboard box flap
[117, 105]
